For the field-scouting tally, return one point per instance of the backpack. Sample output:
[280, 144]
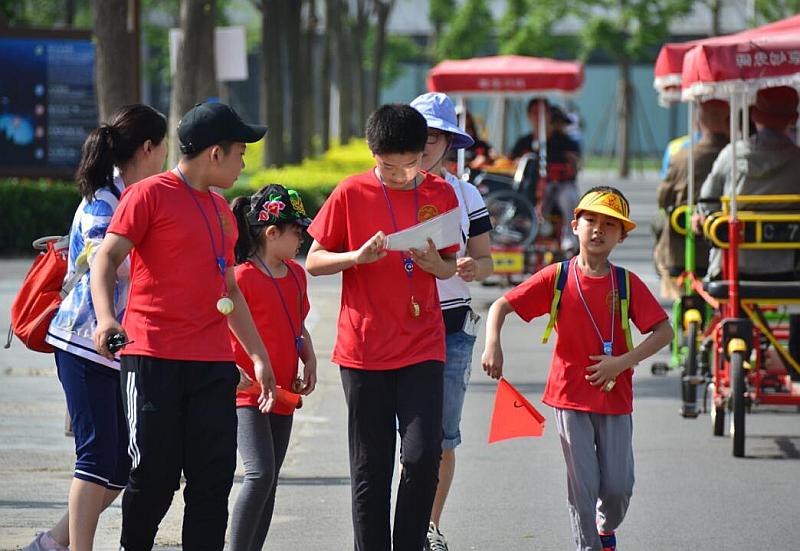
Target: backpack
[42, 291]
[623, 285]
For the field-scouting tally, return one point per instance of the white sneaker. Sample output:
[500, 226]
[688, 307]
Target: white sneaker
[436, 541]
[44, 542]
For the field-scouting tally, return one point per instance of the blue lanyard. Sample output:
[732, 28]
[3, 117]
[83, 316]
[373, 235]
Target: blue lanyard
[607, 345]
[298, 336]
[408, 264]
[219, 257]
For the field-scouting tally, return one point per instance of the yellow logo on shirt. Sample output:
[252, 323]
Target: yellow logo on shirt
[426, 212]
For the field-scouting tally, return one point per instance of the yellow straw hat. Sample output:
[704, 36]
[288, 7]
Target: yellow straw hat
[608, 203]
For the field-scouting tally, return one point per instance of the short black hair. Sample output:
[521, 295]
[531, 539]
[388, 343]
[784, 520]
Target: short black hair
[537, 99]
[608, 189]
[396, 128]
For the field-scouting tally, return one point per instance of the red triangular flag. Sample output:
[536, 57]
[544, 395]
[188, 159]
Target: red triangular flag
[513, 415]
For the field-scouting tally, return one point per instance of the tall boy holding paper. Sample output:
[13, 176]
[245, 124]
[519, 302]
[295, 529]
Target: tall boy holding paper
[390, 344]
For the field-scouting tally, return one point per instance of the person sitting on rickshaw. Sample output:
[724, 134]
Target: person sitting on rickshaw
[713, 122]
[480, 155]
[769, 164]
[563, 159]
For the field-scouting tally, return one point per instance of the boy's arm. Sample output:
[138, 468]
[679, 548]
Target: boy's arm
[610, 367]
[478, 264]
[241, 324]
[309, 359]
[102, 280]
[492, 359]
[321, 261]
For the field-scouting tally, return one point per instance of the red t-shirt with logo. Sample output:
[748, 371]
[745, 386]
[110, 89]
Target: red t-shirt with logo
[272, 324]
[175, 282]
[566, 386]
[376, 330]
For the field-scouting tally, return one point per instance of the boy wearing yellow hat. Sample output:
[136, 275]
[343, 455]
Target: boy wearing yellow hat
[590, 380]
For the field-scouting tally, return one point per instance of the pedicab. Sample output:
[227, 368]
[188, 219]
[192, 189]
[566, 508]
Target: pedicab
[690, 312]
[520, 244]
[750, 316]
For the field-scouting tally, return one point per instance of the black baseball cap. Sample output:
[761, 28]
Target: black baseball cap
[208, 124]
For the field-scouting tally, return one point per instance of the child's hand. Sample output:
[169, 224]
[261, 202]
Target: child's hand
[608, 368]
[465, 268]
[266, 379]
[245, 381]
[372, 250]
[309, 377]
[429, 259]
[492, 361]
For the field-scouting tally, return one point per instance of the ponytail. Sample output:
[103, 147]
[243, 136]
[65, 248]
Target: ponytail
[246, 243]
[96, 169]
[115, 144]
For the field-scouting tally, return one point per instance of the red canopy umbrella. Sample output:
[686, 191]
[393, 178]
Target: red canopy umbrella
[717, 70]
[505, 74]
[669, 64]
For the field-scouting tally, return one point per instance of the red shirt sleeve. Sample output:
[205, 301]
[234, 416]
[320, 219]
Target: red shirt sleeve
[229, 220]
[533, 297]
[133, 216]
[644, 310]
[329, 227]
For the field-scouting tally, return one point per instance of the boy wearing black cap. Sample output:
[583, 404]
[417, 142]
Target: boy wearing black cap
[178, 374]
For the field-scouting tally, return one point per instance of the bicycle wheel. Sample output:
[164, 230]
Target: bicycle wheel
[717, 412]
[738, 403]
[513, 218]
[689, 380]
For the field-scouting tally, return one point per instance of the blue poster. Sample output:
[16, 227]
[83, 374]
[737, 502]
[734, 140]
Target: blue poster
[47, 103]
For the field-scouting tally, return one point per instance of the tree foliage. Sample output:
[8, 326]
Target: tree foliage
[772, 10]
[526, 28]
[627, 29]
[469, 32]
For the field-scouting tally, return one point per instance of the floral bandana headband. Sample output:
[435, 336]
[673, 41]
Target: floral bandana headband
[275, 204]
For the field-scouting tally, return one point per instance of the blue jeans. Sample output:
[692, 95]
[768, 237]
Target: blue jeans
[456, 378]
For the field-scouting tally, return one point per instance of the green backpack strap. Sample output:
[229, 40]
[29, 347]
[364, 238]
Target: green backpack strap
[562, 271]
[624, 286]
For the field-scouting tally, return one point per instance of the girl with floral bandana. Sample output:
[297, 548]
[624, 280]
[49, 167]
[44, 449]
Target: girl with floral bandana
[271, 225]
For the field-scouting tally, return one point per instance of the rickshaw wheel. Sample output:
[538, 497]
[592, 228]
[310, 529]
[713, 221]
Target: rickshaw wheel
[689, 380]
[739, 403]
[717, 413]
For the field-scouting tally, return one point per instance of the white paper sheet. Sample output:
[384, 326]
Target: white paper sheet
[444, 230]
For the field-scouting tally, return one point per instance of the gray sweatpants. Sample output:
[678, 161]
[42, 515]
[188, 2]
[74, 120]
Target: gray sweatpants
[598, 451]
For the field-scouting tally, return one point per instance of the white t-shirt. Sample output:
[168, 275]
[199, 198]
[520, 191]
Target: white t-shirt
[454, 292]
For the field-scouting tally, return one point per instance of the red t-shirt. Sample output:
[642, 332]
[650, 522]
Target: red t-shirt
[175, 282]
[566, 386]
[270, 319]
[376, 329]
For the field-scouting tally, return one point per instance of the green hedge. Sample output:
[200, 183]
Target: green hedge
[30, 209]
[314, 178]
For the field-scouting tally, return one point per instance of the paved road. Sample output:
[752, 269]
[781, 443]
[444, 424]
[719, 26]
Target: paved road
[690, 492]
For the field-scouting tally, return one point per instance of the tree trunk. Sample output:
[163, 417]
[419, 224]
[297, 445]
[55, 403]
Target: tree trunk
[344, 77]
[195, 79]
[325, 77]
[113, 52]
[69, 13]
[295, 72]
[272, 81]
[382, 9]
[307, 86]
[716, 8]
[360, 29]
[623, 117]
